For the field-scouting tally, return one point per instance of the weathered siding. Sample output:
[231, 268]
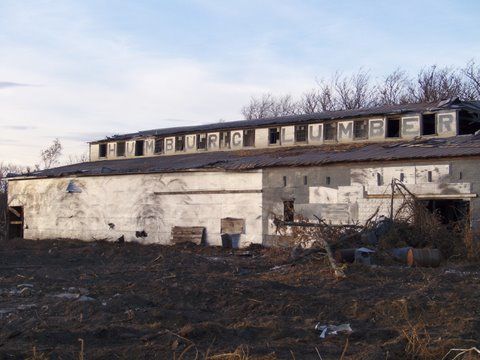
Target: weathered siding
[354, 193]
[111, 206]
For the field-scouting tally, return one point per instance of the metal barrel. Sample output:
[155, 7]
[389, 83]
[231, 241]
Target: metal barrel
[403, 255]
[426, 257]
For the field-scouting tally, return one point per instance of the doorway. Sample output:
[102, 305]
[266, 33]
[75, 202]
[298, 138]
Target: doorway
[15, 222]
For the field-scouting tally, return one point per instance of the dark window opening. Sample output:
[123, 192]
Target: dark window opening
[402, 177]
[249, 137]
[15, 222]
[449, 211]
[102, 150]
[202, 141]
[328, 180]
[305, 180]
[429, 176]
[179, 143]
[139, 147]
[288, 210]
[393, 128]
[159, 145]
[284, 181]
[301, 133]
[460, 175]
[225, 140]
[428, 124]
[330, 131]
[379, 179]
[121, 148]
[468, 123]
[274, 136]
[360, 129]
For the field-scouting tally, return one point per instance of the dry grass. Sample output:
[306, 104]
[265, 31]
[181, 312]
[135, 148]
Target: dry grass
[241, 353]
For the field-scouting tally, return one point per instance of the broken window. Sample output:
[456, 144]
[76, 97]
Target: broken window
[249, 137]
[179, 143]
[393, 127]
[330, 131]
[139, 145]
[202, 141]
[102, 150]
[284, 181]
[159, 145]
[301, 133]
[428, 124]
[360, 129]
[274, 136]
[402, 177]
[288, 210]
[328, 180]
[225, 140]
[121, 148]
[379, 179]
[429, 176]
[468, 123]
[305, 180]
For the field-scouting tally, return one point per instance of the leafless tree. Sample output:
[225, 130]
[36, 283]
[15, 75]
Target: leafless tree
[353, 92]
[76, 159]
[394, 89]
[317, 100]
[269, 106]
[472, 73]
[50, 156]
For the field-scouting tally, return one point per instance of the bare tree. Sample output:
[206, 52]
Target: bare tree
[76, 159]
[269, 106]
[394, 89]
[50, 156]
[353, 92]
[472, 73]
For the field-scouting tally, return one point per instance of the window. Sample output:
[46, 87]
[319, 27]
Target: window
[305, 180]
[330, 132]
[393, 127]
[202, 141]
[284, 181]
[249, 137]
[360, 129]
[225, 140]
[429, 176]
[301, 133]
[402, 177]
[121, 148]
[288, 210]
[159, 145]
[428, 124]
[179, 143]
[102, 150]
[139, 147]
[328, 180]
[379, 179]
[274, 136]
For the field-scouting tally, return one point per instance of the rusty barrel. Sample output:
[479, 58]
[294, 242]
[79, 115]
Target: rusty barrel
[424, 257]
[402, 254]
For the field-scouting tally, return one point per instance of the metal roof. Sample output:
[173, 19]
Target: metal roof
[305, 118]
[423, 148]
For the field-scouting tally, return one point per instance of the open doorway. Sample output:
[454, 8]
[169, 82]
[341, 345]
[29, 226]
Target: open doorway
[15, 222]
[449, 210]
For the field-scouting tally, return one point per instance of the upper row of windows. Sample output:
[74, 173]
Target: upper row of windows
[360, 131]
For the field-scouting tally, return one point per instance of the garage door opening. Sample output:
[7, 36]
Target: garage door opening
[449, 211]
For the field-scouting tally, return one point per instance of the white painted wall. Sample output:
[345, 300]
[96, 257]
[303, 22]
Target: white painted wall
[130, 203]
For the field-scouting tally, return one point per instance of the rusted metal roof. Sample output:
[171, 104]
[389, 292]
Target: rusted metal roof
[429, 148]
[306, 118]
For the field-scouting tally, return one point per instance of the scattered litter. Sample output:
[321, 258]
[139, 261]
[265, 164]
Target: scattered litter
[326, 330]
[25, 286]
[67, 296]
[85, 298]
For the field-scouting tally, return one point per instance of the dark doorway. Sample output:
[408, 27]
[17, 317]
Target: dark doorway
[449, 211]
[288, 210]
[15, 222]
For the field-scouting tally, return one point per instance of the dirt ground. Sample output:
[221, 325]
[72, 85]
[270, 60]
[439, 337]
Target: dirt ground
[74, 300]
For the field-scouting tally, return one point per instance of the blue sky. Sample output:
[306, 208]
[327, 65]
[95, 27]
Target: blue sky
[81, 70]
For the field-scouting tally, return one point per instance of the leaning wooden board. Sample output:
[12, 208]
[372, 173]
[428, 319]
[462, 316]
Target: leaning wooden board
[194, 234]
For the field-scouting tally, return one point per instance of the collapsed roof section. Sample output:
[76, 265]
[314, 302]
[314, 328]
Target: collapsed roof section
[429, 148]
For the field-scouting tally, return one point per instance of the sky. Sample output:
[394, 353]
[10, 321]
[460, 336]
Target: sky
[82, 70]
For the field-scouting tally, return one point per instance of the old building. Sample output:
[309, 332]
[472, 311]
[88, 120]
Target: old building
[204, 181]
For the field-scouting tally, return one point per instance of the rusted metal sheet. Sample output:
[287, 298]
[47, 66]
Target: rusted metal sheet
[432, 148]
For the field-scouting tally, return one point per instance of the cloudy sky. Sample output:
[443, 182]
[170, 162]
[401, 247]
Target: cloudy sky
[81, 70]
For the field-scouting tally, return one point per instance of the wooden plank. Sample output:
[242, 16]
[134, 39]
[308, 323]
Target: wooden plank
[232, 226]
[194, 234]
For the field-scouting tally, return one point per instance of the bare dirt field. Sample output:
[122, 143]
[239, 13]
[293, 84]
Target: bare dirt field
[74, 300]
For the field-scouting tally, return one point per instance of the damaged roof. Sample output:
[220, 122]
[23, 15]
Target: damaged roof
[453, 104]
[458, 146]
